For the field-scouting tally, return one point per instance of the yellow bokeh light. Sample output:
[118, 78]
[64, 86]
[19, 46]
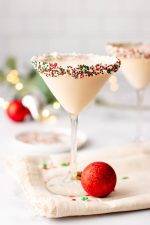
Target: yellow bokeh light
[2, 101]
[12, 77]
[19, 86]
[52, 119]
[5, 105]
[114, 87]
[45, 113]
[56, 105]
[113, 79]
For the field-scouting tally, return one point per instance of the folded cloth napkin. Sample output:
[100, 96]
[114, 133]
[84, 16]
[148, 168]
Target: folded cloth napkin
[132, 192]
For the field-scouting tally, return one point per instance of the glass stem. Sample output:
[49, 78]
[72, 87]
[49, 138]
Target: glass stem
[73, 163]
[140, 98]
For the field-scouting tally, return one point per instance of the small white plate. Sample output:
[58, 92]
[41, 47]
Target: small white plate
[44, 142]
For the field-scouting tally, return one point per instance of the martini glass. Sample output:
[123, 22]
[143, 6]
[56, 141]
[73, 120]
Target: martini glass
[74, 79]
[135, 65]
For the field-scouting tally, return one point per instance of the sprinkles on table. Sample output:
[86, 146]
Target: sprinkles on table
[65, 164]
[125, 178]
[83, 198]
[44, 166]
[53, 69]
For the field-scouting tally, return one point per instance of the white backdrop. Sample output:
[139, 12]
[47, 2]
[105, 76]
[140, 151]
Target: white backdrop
[29, 27]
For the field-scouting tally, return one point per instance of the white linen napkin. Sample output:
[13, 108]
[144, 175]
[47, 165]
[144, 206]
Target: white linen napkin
[132, 192]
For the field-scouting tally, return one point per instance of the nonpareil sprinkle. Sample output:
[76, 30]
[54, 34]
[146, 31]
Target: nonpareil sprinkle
[84, 198]
[65, 164]
[44, 166]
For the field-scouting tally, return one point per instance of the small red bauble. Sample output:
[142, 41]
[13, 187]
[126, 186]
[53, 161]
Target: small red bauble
[17, 111]
[98, 179]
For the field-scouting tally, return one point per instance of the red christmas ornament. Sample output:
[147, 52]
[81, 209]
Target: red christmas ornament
[17, 111]
[98, 179]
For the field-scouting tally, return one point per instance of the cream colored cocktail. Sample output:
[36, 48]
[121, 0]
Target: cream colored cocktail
[74, 79]
[135, 62]
[136, 71]
[75, 94]
[135, 65]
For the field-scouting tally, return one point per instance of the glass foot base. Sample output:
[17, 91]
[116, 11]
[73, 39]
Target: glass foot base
[65, 186]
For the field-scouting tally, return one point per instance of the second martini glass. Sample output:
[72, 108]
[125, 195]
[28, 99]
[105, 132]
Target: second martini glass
[75, 80]
[135, 65]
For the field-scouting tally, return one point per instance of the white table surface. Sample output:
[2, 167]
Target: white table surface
[104, 127]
